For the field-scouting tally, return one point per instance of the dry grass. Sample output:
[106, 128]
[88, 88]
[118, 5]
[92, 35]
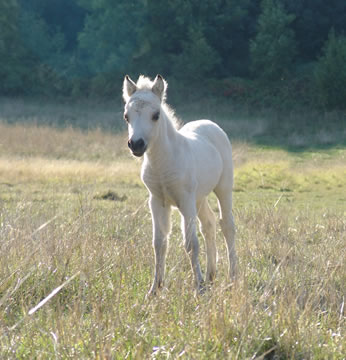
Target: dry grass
[57, 233]
[44, 170]
[43, 141]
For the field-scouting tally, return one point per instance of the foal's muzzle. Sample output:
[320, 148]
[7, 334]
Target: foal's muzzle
[137, 147]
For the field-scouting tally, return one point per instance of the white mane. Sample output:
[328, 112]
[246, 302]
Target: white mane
[144, 83]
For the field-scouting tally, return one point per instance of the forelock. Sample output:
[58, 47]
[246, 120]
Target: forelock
[139, 104]
[144, 83]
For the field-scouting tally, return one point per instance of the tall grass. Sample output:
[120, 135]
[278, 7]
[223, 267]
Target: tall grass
[289, 300]
[76, 263]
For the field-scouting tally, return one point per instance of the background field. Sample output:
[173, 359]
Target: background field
[74, 218]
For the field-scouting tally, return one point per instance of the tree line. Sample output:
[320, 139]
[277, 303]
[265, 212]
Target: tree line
[248, 50]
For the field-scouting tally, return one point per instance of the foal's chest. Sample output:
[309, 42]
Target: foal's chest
[165, 186]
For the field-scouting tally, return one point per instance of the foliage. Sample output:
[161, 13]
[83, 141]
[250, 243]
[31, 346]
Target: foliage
[195, 47]
[274, 48]
[12, 70]
[207, 38]
[330, 73]
[84, 47]
[231, 25]
[109, 39]
[313, 21]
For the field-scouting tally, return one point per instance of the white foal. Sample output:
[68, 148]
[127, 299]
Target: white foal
[180, 168]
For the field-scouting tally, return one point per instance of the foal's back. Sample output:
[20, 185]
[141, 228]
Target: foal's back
[213, 134]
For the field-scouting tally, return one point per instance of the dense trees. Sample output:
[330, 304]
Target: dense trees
[110, 38]
[330, 72]
[273, 49]
[85, 46]
[11, 49]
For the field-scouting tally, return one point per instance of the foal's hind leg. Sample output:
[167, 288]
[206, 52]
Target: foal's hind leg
[224, 195]
[208, 230]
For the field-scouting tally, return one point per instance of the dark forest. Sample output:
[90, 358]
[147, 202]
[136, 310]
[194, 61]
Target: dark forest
[268, 52]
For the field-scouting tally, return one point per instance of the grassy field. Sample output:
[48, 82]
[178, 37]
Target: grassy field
[76, 259]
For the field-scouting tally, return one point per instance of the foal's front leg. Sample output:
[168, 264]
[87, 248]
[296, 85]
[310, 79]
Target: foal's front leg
[189, 215]
[161, 228]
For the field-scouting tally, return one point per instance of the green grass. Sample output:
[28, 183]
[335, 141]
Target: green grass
[74, 208]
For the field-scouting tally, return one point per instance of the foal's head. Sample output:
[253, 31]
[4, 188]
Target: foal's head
[142, 111]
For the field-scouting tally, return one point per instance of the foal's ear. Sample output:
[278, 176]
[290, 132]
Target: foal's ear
[159, 87]
[129, 87]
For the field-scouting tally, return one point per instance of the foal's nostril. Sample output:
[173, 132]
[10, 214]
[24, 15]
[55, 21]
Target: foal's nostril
[139, 144]
[129, 144]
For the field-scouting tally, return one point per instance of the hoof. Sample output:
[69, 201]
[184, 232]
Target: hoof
[201, 288]
[152, 292]
[210, 277]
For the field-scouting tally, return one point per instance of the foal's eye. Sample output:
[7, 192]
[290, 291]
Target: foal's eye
[156, 116]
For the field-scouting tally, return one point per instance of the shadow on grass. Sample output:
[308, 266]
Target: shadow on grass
[294, 133]
[294, 129]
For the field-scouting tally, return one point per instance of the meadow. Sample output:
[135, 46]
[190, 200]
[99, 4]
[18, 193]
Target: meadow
[76, 259]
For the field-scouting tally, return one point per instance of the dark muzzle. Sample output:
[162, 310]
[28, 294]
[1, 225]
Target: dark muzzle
[137, 147]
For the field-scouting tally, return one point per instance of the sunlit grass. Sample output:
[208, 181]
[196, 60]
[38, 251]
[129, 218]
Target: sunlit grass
[50, 170]
[32, 140]
[65, 212]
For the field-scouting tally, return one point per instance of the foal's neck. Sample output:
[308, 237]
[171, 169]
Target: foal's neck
[168, 138]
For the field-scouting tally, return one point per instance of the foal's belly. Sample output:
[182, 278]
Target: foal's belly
[199, 181]
[207, 181]
[208, 169]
